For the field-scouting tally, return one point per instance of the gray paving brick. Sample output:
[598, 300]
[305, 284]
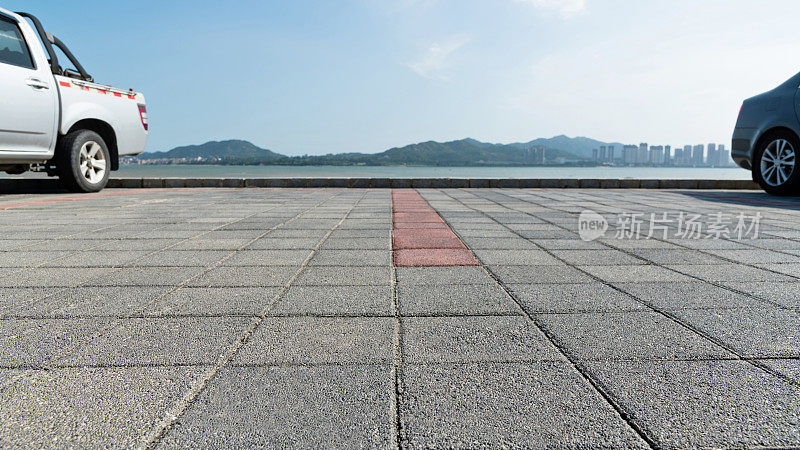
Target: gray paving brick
[214, 301]
[500, 244]
[26, 342]
[596, 257]
[211, 244]
[19, 299]
[516, 257]
[570, 244]
[697, 294]
[183, 258]
[443, 275]
[792, 270]
[318, 340]
[352, 258]
[756, 256]
[729, 272]
[635, 274]
[268, 258]
[89, 407]
[454, 299]
[245, 277]
[542, 274]
[787, 367]
[53, 277]
[161, 341]
[764, 332]
[94, 301]
[141, 244]
[783, 293]
[103, 258]
[501, 405]
[677, 256]
[567, 298]
[384, 243]
[336, 300]
[275, 407]
[345, 276]
[627, 336]
[474, 339]
[710, 404]
[270, 243]
[29, 258]
[632, 244]
[146, 276]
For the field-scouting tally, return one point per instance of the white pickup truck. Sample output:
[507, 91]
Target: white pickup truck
[58, 120]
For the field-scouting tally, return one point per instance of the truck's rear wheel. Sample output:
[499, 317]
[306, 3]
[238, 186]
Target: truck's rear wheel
[83, 161]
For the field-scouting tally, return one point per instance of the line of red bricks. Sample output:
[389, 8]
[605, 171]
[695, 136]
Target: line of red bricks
[420, 238]
[50, 201]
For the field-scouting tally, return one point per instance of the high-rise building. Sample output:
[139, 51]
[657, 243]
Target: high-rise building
[602, 153]
[712, 159]
[611, 153]
[698, 156]
[724, 156]
[656, 154]
[667, 155]
[594, 154]
[686, 158]
[643, 155]
[629, 154]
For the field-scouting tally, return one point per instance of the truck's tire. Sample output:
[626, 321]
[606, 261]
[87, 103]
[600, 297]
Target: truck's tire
[83, 161]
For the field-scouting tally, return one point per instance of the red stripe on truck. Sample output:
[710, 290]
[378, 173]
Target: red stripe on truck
[64, 83]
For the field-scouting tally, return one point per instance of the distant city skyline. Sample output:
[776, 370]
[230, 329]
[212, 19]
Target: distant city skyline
[362, 75]
[643, 154]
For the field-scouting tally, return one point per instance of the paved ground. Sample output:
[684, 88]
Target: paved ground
[185, 318]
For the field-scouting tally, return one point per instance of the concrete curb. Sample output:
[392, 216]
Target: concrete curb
[33, 185]
[422, 183]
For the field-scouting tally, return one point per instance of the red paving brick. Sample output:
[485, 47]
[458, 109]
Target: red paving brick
[434, 257]
[421, 225]
[417, 217]
[426, 242]
[420, 238]
[424, 232]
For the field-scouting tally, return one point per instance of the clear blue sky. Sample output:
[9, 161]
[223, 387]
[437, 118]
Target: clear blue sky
[325, 76]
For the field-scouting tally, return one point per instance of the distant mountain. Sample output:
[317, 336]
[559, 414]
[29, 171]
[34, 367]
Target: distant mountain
[223, 150]
[578, 146]
[464, 152]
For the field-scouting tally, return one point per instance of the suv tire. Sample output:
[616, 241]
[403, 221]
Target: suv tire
[775, 164]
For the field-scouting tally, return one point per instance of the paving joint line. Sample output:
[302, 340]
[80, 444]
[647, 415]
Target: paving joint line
[384, 363]
[397, 361]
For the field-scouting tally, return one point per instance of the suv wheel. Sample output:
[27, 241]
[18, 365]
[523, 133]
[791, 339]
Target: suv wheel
[83, 161]
[775, 164]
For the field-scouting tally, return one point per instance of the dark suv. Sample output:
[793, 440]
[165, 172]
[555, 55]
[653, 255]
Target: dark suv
[766, 139]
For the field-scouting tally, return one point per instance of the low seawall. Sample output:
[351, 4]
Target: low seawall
[12, 185]
[443, 183]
